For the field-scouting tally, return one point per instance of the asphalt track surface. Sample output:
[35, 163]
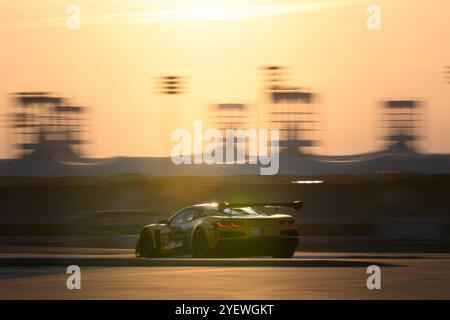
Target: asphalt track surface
[116, 274]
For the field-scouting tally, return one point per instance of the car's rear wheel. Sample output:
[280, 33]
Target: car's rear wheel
[200, 247]
[145, 245]
[284, 253]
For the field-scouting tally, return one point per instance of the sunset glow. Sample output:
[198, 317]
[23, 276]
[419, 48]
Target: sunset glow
[112, 61]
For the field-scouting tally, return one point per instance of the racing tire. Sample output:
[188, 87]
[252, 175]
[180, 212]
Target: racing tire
[200, 247]
[145, 245]
[137, 248]
[284, 253]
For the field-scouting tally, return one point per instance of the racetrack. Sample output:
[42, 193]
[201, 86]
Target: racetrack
[116, 274]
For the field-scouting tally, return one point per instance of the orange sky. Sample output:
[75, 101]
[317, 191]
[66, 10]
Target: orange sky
[110, 63]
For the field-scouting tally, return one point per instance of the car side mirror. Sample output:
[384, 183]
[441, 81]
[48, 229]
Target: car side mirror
[163, 221]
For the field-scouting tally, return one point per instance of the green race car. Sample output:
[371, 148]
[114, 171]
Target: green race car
[222, 230]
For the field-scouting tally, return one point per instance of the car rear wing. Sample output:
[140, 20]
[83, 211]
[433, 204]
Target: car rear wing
[296, 205]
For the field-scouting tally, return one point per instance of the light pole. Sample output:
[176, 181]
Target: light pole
[170, 86]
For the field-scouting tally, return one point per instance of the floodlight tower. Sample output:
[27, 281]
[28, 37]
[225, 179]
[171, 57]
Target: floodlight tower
[226, 116]
[275, 76]
[401, 127]
[291, 111]
[169, 87]
[44, 126]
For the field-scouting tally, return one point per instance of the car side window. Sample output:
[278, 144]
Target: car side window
[200, 214]
[190, 215]
[186, 215]
[179, 217]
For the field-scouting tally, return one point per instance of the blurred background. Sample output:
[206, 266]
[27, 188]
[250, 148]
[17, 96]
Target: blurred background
[363, 115]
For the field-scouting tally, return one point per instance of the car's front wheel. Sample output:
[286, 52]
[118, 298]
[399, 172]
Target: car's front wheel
[200, 247]
[145, 247]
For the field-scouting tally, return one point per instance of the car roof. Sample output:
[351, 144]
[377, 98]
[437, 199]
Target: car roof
[206, 205]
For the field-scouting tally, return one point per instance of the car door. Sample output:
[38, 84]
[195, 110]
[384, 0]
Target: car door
[189, 221]
[177, 233]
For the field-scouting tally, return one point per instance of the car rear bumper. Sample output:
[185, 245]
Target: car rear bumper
[254, 246]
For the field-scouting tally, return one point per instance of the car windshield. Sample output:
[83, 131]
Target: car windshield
[247, 211]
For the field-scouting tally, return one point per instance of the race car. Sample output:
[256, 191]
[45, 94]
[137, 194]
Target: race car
[223, 230]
